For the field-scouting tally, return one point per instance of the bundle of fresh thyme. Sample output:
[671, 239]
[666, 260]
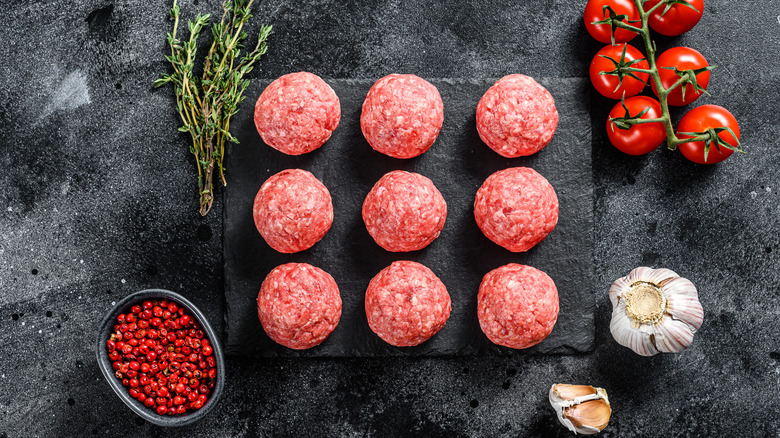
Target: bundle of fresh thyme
[206, 104]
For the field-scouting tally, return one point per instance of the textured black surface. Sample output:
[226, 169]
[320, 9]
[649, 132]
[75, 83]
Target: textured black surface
[457, 164]
[93, 170]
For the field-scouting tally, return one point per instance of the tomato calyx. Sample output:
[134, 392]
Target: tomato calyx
[623, 68]
[688, 77]
[710, 137]
[671, 3]
[628, 120]
[615, 21]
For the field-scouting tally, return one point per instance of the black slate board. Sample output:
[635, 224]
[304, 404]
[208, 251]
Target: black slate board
[457, 163]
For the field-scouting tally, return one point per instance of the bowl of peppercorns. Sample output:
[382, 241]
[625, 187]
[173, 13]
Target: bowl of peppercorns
[162, 358]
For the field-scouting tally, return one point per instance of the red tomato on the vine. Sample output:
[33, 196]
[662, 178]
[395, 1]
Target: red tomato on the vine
[700, 120]
[594, 11]
[677, 20]
[638, 139]
[607, 85]
[681, 58]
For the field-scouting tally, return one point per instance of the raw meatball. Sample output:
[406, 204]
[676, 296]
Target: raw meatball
[404, 211]
[402, 115]
[516, 208]
[293, 210]
[516, 116]
[297, 113]
[406, 304]
[299, 305]
[517, 305]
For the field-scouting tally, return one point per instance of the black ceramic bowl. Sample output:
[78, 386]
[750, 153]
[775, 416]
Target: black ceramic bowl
[107, 326]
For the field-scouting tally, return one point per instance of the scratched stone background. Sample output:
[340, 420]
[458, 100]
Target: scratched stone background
[97, 200]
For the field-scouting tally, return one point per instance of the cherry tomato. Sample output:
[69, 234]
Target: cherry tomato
[700, 120]
[594, 11]
[681, 58]
[607, 85]
[639, 139]
[677, 20]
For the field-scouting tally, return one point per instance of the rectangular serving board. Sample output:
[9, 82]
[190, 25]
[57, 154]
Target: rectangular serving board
[457, 163]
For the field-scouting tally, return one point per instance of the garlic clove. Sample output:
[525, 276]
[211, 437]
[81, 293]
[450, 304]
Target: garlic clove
[643, 273]
[627, 336]
[581, 408]
[617, 288]
[589, 417]
[686, 308]
[681, 286]
[570, 392]
[673, 336]
[661, 276]
[637, 274]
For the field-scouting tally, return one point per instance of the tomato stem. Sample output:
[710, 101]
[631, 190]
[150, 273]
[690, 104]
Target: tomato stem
[666, 91]
[703, 137]
[671, 138]
[641, 121]
[624, 25]
[657, 5]
[638, 70]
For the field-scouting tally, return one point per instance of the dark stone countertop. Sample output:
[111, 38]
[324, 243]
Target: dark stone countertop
[98, 201]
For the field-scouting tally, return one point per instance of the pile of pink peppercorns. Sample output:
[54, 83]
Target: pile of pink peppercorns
[162, 356]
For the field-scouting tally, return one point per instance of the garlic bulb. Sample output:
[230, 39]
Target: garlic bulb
[581, 408]
[654, 310]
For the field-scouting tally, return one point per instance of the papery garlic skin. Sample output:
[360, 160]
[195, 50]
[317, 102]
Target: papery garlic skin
[654, 311]
[582, 409]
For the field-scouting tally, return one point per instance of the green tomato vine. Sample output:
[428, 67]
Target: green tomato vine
[622, 69]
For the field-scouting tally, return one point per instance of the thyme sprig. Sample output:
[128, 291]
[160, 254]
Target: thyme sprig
[206, 104]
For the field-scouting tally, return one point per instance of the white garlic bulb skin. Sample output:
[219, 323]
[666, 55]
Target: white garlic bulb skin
[654, 311]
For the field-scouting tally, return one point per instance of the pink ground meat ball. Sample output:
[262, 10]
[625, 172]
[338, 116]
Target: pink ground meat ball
[297, 113]
[406, 304]
[402, 115]
[516, 116]
[516, 208]
[299, 305]
[517, 305]
[404, 211]
[292, 210]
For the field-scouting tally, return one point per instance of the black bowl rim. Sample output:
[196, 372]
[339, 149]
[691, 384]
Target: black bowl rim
[106, 326]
